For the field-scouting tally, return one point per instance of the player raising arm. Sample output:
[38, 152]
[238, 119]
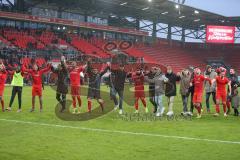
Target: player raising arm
[94, 85]
[62, 83]
[75, 85]
[36, 74]
[118, 86]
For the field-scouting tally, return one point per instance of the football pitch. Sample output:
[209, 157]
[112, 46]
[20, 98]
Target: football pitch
[43, 136]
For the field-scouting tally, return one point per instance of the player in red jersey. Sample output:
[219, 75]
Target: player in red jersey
[138, 79]
[75, 85]
[221, 82]
[36, 74]
[198, 81]
[3, 77]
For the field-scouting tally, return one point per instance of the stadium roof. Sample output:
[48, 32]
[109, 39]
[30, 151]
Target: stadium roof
[221, 7]
[162, 11]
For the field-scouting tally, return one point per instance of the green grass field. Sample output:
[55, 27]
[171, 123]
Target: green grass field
[43, 136]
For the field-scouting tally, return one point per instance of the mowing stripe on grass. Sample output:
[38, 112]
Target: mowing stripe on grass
[121, 132]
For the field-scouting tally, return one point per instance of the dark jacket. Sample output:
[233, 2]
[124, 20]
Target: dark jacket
[151, 75]
[110, 79]
[171, 87]
[119, 79]
[191, 88]
[94, 79]
[234, 82]
[63, 79]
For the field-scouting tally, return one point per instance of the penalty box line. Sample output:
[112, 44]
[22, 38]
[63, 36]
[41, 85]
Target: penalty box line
[121, 132]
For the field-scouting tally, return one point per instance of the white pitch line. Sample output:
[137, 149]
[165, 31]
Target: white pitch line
[122, 132]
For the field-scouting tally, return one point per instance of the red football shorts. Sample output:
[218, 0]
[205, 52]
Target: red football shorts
[197, 97]
[75, 90]
[139, 94]
[37, 90]
[221, 96]
[1, 90]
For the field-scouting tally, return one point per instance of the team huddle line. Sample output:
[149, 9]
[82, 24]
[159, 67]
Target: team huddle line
[192, 84]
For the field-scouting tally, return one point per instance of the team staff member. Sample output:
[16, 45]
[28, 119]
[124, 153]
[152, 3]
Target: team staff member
[109, 81]
[210, 89]
[171, 89]
[235, 100]
[118, 85]
[159, 81]
[191, 92]
[234, 85]
[62, 83]
[184, 89]
[151, 88]
[94, 85]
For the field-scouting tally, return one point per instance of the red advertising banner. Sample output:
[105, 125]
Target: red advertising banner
[220, 34]
[66, 22]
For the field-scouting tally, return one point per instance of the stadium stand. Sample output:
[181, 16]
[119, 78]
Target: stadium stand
[161, 52]
[88, 48]
[21, 39]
